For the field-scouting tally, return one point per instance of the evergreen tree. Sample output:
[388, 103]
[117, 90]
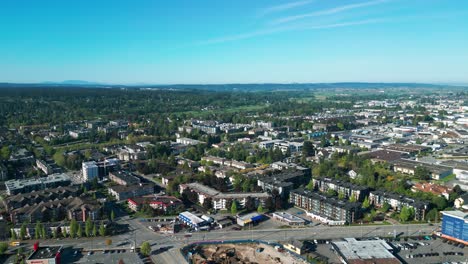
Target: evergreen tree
[73, 228]
[79, 232]
[37, 231]
[13, 234]
[23, 231]
[260, 209]
[234, 208]
[88, 227]
[366, 203]
[102, 229]
[94, 230]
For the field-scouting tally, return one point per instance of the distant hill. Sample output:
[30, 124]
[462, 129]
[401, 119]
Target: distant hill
[235, 87]
[72, 82]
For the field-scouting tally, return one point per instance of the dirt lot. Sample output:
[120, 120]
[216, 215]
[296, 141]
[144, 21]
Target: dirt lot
[243, 253]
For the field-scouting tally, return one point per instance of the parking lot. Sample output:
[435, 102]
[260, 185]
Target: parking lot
[430, 251]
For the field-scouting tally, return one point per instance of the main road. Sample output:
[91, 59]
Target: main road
[172, 243]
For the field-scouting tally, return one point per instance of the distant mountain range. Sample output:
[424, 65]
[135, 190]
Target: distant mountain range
[72, 82]
[233, 87]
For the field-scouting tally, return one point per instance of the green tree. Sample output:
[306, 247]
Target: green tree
[234, 207]
[331, 192]
[260, 209]
[95, 231]
[432, 215]
[145, 248]
[385, 207]
[112, 216]
[79, 231]
[406, 213]
[422, 173]
[341, 196]
[366, 203]
[37, 231]
[88, 227]
[5, 153]
[3, 248]
[23, 231]
[73, 228]
[43, 232]
[440, 202]
[102, 229]
[13, 234]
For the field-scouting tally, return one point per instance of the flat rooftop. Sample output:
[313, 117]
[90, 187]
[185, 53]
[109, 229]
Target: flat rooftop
[289, 217]
[367, 251]
[193, 218]
[45, 253]
[456, 214]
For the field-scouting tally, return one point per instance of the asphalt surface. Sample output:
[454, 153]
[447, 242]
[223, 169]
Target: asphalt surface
[166, 247]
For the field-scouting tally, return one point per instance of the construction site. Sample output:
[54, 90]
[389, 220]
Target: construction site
[249, 253]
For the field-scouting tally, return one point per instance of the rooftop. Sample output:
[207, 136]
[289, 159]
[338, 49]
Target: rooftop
[289, 217]
[45, 252]
[327, 199]
[456, 214]
[193, 218]
[368, 251]
[18, 184]
[412, 164]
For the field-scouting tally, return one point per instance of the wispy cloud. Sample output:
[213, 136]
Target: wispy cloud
[330, 11]
[283, 7]
[257, 33]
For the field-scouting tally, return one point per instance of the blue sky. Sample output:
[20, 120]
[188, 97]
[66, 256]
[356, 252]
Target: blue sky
[242, 41]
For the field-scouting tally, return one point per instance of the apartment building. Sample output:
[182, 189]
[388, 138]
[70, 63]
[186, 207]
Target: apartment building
[326, 209]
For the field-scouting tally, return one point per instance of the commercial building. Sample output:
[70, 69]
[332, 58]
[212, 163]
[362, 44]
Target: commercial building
[455, 226]
[289, 219]
[192, 220]
[45, 255]
[326, 209]
[295, 246]
[352, 251]
[249, 219]
[29, 185]
[107, 166]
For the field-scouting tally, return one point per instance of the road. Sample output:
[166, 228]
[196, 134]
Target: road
[139, 233]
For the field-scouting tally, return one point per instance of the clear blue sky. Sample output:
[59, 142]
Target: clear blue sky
[242, 41]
